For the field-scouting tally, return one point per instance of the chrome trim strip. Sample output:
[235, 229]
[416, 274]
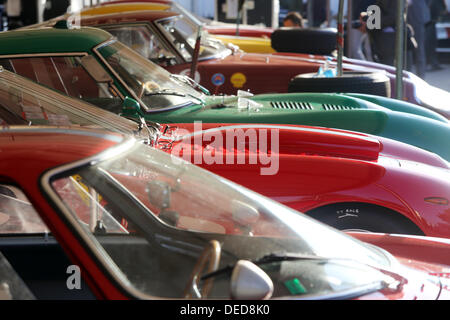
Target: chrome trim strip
[39, 55]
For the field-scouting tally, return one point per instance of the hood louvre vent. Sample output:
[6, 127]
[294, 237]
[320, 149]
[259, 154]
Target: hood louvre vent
[330, 107]
[291, 105]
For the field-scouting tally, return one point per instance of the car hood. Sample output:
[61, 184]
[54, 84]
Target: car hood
[321, 110]
[307, 140]
[423, 263]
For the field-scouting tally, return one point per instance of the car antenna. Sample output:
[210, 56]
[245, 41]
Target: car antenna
[196, 52]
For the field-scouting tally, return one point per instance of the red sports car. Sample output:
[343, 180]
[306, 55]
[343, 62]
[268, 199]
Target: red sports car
[346, 179]
[127, 221]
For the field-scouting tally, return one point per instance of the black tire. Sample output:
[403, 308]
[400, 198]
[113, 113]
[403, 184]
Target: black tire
[364, 217]
[374, 83]
[320, 41]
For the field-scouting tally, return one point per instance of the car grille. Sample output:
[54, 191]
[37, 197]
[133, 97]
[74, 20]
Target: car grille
[329, 107]
[291, 105]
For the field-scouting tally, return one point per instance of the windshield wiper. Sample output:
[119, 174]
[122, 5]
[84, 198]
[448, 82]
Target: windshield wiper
[164, 92]
[280, 257]
[173, 93]
[270, 258]
[191, 82]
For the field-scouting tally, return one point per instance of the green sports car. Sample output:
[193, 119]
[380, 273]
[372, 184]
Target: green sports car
[89, 63]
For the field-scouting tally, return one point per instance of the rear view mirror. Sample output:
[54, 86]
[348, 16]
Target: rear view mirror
[95, 70]
[130, 107]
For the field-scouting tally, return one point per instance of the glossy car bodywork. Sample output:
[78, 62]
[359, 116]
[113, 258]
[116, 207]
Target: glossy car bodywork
[248, 38]
[23, 51]
[53, 151]
[282, 67]
[213, 27]
[330, 169]
[305, 168]
[256, 68]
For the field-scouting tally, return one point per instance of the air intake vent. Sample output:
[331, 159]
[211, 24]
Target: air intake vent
[330, 107]
[292, 105]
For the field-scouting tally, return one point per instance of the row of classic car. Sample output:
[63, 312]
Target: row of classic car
[168, 39]
[353, 161]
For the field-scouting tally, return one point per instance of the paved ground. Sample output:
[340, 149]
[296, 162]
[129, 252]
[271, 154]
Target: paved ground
[441, 78]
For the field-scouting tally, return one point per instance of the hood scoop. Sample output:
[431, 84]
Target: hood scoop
[293, 105]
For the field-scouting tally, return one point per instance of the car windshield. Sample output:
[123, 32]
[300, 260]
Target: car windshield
[182, 33]
[195, 19]
[23, 102]
[153, 214]
[153, 86]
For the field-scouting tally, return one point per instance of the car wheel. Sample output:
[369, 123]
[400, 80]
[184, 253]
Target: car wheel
[313, 41]
[364, 218]
[374, 83]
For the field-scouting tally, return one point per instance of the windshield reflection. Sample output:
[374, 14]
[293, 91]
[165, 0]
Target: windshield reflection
[182, 33]
[152, 85]
[166, 211]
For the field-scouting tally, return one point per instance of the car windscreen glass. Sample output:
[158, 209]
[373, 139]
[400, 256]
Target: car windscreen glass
[182, 33]
[17, 215]
[143, 41]
[153, 215]
[24, 102]
[150, 83]
[65, 74]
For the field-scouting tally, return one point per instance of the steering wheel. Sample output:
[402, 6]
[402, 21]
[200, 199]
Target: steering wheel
[211, 253]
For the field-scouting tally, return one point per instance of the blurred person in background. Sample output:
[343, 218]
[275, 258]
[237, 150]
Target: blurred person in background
[437, 8]
[418, 17]
[359, 45]
[293, 19]
[383, 40]
[55, 8]
[318, 10]
[14, 12]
